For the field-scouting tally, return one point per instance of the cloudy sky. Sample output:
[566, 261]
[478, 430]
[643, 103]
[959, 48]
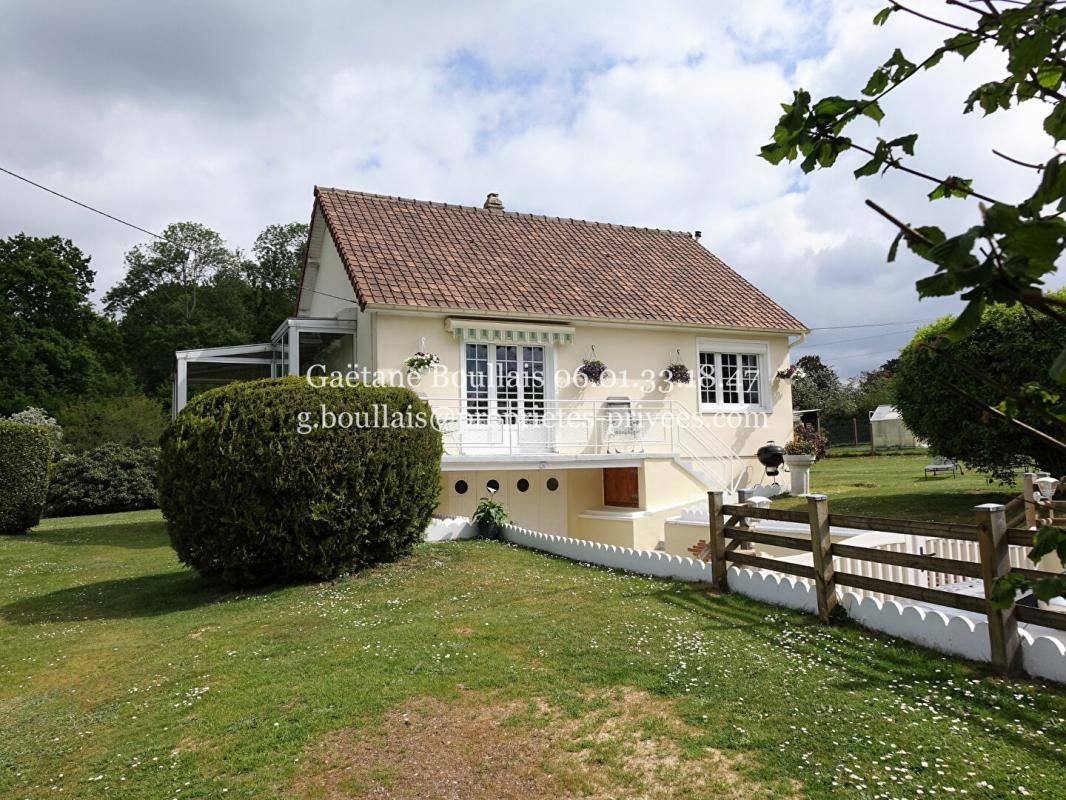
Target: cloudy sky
[228, 113]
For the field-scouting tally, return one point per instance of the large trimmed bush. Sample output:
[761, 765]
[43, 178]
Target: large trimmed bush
[253, 498]
[103, 480]
[25, 454]
[1009, 349]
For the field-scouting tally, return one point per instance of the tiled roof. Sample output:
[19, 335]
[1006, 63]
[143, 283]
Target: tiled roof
[433, 255]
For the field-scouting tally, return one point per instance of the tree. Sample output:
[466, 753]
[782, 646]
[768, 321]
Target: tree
[187, 257]
[274, 273]
[1012, 247]
[819, 386]
[874, 388]
[56, 346]
[1006, 344]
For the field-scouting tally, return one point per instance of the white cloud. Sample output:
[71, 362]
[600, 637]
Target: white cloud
[648, 114]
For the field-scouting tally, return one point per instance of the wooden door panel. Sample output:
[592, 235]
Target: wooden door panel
[621, 487]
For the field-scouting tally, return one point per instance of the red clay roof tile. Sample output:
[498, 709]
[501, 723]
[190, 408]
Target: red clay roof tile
[434, 255]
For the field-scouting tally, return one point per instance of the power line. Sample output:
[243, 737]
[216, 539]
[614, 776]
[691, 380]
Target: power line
[129, 224]
[875, 324]
[849, 341]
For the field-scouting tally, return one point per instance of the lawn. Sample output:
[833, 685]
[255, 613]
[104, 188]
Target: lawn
[473, 670]
[894, 486]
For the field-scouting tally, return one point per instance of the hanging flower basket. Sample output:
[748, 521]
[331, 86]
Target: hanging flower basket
[790, 372]
[677, 373]
[420, 362]
[592, 369]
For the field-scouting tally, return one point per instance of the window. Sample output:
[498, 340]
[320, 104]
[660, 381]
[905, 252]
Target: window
[731, 374]
[523, 485]
[461, 487]
[504, 383]
[552, 484]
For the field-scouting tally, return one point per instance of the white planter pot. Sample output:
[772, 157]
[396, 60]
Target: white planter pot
[799, 468]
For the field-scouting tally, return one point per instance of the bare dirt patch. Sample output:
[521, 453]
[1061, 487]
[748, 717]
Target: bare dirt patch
[626, 744]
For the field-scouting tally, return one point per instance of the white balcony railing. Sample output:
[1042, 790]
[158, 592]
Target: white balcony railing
[588, 427]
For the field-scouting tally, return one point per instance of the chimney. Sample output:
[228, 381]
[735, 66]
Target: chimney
[493, 202]
[698, 235]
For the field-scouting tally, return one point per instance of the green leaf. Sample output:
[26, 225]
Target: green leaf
[1040, 240]
[832, 106]
[963, 43]
[871, 167]
[873, 111]
[906, 142]
[878, 83]
[1027, 53]
[893, 250]
[881, 17]
[1049, 76]
[939, 284]
[1055, 123]
[952, 186]
[956, 251]
[965, 323]
[1001, 218]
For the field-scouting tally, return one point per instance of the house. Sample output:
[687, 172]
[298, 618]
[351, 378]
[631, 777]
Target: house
[512, 304]
[887, 430]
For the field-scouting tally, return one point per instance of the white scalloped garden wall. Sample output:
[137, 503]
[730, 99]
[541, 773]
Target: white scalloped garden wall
[645, 562]
[443, 530]
[946, 631]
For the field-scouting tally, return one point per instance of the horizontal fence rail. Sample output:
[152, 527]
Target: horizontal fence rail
[981, 553]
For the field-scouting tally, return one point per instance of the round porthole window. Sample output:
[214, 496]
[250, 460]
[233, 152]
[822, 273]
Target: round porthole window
[461, 487]
[523, 485]
[493, 485]
[552, 484]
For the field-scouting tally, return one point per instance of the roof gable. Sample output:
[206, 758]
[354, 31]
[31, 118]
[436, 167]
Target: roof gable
[414, 253]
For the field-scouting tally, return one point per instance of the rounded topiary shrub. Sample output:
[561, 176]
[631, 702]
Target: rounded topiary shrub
[275, 480]
[108, 478]
[25, 453]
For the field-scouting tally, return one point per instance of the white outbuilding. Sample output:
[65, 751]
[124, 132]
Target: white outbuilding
[887, 430]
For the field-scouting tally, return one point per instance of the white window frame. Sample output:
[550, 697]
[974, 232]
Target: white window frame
[731, 347]
[493, 405]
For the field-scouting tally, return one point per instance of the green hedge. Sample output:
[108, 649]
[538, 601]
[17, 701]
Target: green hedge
[25, 453]
[250, 498]
[108, 478]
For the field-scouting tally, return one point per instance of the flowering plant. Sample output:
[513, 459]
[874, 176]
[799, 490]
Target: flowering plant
[677, 373]
[790, 372]
[420, 362]
[593, 369]
[807, 441]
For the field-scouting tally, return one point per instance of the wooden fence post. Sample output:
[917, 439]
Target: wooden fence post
[1005, 644]
[716, 542]
[822, 549]
[1028, 495]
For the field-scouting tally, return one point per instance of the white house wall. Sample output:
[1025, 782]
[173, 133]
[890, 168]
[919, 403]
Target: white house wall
[628, 351]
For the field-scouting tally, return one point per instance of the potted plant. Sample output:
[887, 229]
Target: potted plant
[790, 372]
[489, 516]
[677, 372]
[800, 451]
[592, 368]
[420, 362]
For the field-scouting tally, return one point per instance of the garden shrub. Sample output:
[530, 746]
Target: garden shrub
[132, 420]
[103, 480]
[1007, 350]
[25, 455]
[254, 494]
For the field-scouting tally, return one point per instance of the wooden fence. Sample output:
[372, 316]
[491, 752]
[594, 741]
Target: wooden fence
[993, 533]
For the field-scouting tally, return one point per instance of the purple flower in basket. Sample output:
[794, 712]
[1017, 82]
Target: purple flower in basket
[677, 373]
[592, 369]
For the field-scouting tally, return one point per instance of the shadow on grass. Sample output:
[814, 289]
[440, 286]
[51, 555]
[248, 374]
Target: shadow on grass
[101, 531]
[906, 670]
[122, 598]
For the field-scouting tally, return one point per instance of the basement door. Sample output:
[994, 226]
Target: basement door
[505, 398]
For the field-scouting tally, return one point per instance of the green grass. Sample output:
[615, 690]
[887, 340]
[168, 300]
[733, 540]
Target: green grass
[894, 486]
[123, 675]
